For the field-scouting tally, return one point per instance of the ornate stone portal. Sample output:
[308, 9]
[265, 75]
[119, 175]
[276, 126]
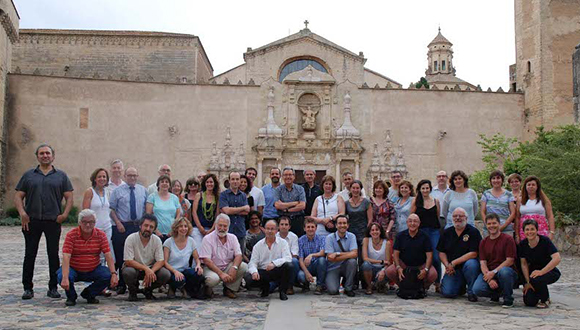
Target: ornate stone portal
[383, 163]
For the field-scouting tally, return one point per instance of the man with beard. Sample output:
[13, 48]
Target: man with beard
[143, 257]
[341, 251]
[222, 259]
[458, 248]
[269, 191]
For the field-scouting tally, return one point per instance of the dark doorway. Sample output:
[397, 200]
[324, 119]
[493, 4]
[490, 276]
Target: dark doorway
[300, 177]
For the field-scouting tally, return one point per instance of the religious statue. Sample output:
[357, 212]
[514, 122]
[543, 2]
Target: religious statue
[309, 117]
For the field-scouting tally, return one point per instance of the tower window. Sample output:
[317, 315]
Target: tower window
[435, 66]
[529, 66]
[443, 65]
[300, 64]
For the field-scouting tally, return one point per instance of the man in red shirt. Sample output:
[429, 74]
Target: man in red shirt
[497, 253]
[81, 257]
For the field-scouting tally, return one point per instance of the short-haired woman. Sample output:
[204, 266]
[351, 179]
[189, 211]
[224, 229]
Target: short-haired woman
[499, 201]
[165, 206]
[539, 258]
[459, 195]
[177, 190]
[327, 207]
[177, 251]
[383, 209]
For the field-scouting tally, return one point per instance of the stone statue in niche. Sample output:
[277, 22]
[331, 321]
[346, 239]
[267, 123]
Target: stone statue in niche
[309, 117]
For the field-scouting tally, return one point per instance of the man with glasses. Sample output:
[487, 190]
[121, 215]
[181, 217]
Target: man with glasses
[163, 170]
[291, 201]
[127, 205]
[81, 256]
[441, 188]
[396, 177]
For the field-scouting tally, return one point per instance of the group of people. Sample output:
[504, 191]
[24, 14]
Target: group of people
[191, 238]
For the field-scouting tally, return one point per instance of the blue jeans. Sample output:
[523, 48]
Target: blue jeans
[506, 278]
[451, 285]
[192, 281]
[347, 270]
[434, 235]
[118, 240]
[100, 278]
[294, 268]
[316, 268]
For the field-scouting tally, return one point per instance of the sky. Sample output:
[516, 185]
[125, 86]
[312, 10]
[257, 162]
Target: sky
[393, 34]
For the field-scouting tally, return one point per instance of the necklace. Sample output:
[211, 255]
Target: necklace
[208, 211]
[103, 199]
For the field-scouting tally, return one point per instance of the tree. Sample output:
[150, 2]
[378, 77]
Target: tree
[422, 82]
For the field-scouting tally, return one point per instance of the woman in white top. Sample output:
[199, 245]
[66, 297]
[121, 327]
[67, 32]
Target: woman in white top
[535, 205]
[96, 198]
[376, 255]
[177, 250]
[326, 207]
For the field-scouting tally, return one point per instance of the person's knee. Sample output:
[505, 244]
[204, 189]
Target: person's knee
[351, 263]
[163, 275]
[366, 266]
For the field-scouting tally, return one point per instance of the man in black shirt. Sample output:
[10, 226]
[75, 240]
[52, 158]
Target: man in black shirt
[39, 194]
[311, 190]
[458, 248]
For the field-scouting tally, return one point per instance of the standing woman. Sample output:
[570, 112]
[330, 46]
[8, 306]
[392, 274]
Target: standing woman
[376, 254]
[191, 191]
[177, 190]
[403, 205]
[515, 182]
[246, 188]
[459, 196]
[539, 258]
[205, 206]
[359, 211]
[428, 210]
[383, 209]
[327, 207]
[499, 201]
[96, 198]
[535, 205]
[165, 206]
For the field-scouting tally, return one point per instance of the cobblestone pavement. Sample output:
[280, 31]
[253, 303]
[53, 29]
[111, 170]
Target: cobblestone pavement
[251, 312]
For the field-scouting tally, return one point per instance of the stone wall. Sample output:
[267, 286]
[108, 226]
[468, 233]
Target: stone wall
[147, 124]
[118, 55]
[576, 73]
[567, 240]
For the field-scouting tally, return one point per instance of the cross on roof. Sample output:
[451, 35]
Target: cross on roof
[306, 24]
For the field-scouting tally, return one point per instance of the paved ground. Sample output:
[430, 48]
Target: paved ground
[302, 311]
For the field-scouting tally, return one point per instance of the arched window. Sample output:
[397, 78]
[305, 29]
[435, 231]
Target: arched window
[298, 65]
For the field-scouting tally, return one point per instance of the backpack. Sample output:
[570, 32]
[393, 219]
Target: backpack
[411, 287]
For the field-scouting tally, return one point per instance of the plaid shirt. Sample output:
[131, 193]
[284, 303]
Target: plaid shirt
[307, 247]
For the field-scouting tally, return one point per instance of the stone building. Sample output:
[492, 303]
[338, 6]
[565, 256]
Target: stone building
[302, 101]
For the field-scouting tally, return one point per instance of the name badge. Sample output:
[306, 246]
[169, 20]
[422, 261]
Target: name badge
[465, 238]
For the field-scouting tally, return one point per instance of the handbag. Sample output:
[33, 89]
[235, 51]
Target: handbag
[328, 229]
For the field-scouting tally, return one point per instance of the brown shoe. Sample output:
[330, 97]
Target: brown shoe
[208, 292]
[290, 291]
[229, 293]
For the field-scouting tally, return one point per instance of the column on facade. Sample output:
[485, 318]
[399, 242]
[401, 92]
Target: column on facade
[259, 178]
[338, 178]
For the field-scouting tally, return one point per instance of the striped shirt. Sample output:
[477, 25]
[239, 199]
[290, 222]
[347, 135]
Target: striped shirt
[308, 247]
[85, 253]
[499, 205]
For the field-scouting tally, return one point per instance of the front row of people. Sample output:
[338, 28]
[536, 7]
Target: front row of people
[480, 268]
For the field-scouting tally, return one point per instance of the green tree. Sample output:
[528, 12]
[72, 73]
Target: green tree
[422, 82]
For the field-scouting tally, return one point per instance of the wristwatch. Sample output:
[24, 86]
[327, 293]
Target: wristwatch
[235, 267]
[494, 271]
[382, 262]
[113, 273]
[337, 253]
[426, 270]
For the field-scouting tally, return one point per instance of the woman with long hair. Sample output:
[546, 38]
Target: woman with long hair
[376, 254]
[535, 205]
[359, 211]
[383, 209]
[403, 204]
[205, 208]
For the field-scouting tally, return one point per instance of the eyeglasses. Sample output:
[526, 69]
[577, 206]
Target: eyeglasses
[88, 222]
[459, 217]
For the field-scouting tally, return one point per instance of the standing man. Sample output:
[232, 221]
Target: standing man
[347, 180]
[116, 174]
[234, 203]
[39, 195]
[269, 190]
[311, 190]
[441, 189]
[271, 261]
[291, 201]
[163, 170]
[256, 193]
[341, 250]
[396, 177]
[127, 205]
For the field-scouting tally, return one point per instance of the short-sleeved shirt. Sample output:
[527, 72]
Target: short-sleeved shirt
[258, 196]
[165, 211]
[499, 205]
[85, 253]
[496, 251]
[146, 255]
[539, 256]
[220, 253]
[270, 198]
[413, 250]
[296, 194]
[179, 259]
[455, 246]
[44, 193]
[307, 247]
[120, 202]
[237, 222]
[331, 246]
[292, 241]
[310, 194]
[438, 195]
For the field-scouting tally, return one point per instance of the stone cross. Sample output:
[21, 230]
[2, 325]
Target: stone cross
[306, 24]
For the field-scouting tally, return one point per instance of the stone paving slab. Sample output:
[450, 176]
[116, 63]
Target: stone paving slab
[250, 312]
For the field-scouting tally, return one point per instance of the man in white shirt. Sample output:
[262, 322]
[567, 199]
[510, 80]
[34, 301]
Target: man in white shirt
[292, 240]
[116, 179]
[441, 188]
[256, 193]
[347, 180]
[271, 261]
[163, 170]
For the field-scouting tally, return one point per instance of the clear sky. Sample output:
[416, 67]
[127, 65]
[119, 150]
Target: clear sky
[393, 34]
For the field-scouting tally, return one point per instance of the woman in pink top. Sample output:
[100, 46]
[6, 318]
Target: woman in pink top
[535, 205]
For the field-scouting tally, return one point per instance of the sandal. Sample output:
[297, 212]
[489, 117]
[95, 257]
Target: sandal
[542, 305]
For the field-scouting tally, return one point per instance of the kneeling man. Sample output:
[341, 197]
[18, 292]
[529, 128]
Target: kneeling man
[143, 257]
[341, 250]
[81, 256]
[271, 261]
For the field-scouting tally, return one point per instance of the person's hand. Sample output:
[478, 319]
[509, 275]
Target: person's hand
[150, 278]
[422, 274]
[309, 278]
[527, 287]
[400, 272]
[199, 269]
[308, 260]
[381, 275]
[256, 276]
[178, 275]
[226, 278]
[232, 272]
[450, 269]
[25, 219]
[536, 273]
[158, 233]
[488, 276]
[246, 208]
[114, 280]
[270, 266]
[493, 284]
[203, 231]
[65, 283]
[517, 239]
[60, 218]
[120, 227]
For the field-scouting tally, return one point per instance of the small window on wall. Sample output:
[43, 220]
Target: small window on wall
[435, 66]
[443, 65]
[298, 65]
[529, 66]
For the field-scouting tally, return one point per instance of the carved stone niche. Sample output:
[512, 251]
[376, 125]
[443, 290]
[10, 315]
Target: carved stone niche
[309, 105]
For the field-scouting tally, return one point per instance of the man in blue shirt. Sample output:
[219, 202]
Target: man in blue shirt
[234, 203]
[312, 257]
[270, 212]
[291, 201]
[341, 250]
